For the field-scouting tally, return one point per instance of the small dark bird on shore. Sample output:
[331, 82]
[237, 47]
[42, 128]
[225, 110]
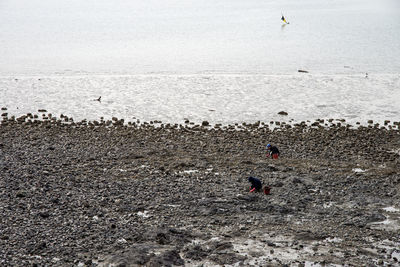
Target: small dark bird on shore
[99, 99]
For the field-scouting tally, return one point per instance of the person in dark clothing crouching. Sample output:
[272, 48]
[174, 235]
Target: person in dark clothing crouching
[256, 184]
[272, 151]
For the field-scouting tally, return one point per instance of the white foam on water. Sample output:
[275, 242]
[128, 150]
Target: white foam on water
[358, 170]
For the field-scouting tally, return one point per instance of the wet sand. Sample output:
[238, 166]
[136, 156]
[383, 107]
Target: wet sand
[154, 194]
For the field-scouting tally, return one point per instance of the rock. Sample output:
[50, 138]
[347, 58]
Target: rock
[375, 217]
[44, 214]
[121, 241]
[303, 71]
[284, 113]
[196, 253]
[139, 255]
[169, 258]
[271, 244]
[146, 194]
[21, 194]
[162, 238]
[205, 123]
[227, 258]
[41, 245]
[296, 180]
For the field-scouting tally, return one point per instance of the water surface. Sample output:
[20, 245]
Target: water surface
[219, 60]
[187, 36]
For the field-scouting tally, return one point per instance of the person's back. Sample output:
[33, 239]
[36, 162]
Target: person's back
[273, 151]
[255, 184]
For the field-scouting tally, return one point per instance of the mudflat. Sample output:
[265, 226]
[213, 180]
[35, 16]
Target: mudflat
[153, 194]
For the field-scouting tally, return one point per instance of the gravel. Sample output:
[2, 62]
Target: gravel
[108, 193]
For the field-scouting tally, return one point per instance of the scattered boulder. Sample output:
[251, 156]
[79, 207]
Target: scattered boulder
[205, 123]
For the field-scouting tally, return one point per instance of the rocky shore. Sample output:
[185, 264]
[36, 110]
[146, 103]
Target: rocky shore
[110, 193]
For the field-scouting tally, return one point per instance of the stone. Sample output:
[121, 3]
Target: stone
[205, 123]
[80, 189]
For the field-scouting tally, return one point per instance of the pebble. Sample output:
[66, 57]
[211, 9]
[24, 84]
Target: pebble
[56, 191]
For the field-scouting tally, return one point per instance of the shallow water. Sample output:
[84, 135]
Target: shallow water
[217, 98]
[188, 36]
[221, 61]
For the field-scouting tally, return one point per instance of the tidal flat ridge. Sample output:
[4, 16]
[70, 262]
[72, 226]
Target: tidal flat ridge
[154, 194]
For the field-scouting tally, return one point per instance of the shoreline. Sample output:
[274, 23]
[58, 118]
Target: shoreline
[32, 118]
[217, 99]
[102, 193]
